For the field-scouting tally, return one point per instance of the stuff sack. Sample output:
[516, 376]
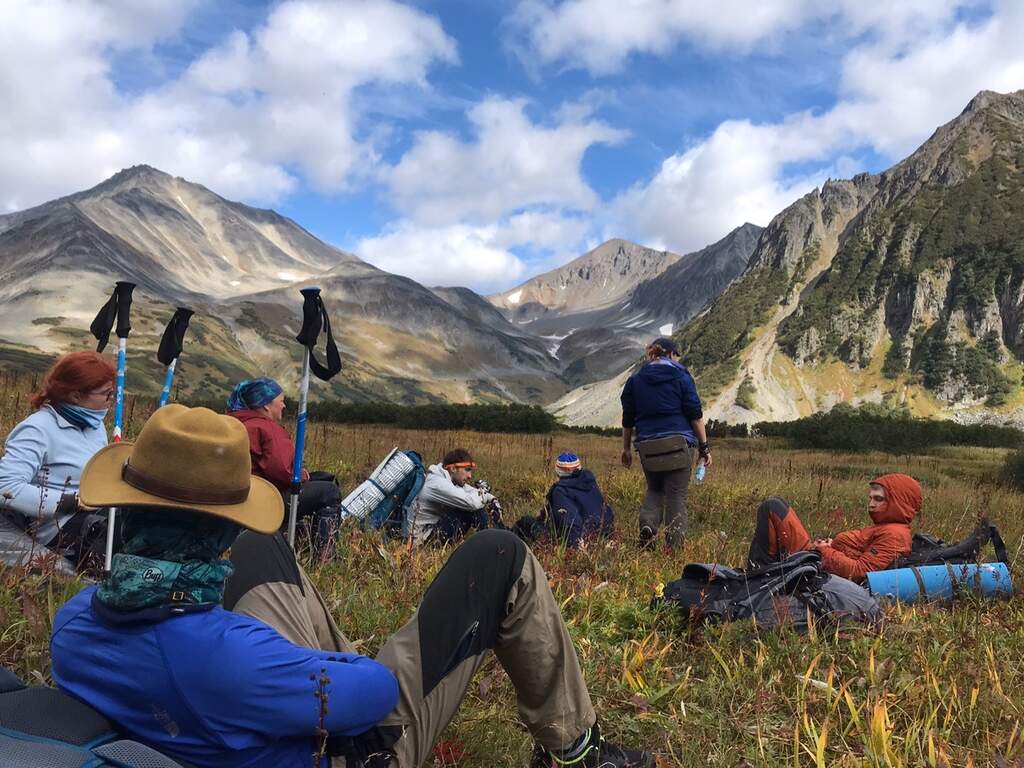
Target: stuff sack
[45, 728]
[383, 500]
[784, 593]
[664, 454]
[929, 550]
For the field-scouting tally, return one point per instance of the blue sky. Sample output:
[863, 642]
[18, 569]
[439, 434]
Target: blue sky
[478, 143]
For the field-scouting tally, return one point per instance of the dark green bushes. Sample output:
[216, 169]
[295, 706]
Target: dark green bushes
[476, 417]
[875, 428]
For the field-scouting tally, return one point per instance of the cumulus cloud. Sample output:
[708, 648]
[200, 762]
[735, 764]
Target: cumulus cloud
[457, 254]
[513, 163]
[243, 118]
[601, 35]
[891, 97]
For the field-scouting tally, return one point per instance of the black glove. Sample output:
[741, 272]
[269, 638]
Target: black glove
[704, 450]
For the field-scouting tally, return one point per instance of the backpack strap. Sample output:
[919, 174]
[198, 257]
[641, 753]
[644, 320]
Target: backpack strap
[998, 545]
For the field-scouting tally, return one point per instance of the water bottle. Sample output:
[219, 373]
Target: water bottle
[699, 475]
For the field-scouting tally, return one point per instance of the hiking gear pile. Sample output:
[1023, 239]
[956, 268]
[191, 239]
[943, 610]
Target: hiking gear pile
[383, 500]
[788, 593]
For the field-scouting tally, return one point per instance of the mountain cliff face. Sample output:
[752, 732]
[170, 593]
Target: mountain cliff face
[596, 280]
[240, 268]
[598, 311]
[906, 285]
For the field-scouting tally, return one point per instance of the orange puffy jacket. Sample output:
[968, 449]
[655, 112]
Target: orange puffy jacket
[854, 553]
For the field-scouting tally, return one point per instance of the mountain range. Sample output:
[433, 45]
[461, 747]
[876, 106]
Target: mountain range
[240, 268]
[904, 287]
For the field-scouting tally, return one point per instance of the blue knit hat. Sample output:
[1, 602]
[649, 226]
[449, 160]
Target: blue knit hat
[567, 463]
[252, 393]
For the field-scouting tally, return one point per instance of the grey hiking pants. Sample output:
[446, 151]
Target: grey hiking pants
[492, 594]
[665, 501]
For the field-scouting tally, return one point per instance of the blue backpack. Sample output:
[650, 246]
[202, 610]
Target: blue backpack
[382, 502]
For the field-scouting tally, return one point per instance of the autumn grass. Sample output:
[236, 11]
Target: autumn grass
[934, 685]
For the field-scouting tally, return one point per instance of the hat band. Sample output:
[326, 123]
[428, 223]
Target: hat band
[143, 482]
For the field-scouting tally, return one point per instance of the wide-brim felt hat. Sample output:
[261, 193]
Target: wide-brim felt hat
[185, 458]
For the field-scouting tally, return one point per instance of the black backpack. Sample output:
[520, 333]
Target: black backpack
[773, 595]
[46, 728]
[929, 550]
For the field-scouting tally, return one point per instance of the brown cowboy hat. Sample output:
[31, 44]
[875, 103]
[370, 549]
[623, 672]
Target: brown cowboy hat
[185, 458]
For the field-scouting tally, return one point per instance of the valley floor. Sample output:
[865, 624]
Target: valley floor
[934, 685]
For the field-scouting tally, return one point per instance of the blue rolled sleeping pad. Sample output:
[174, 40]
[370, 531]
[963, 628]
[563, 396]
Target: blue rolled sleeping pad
[939, 582]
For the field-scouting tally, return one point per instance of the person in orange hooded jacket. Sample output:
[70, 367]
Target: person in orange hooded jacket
[893, 502]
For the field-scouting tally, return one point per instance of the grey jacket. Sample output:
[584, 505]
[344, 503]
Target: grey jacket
[43, 460]
[439, 496]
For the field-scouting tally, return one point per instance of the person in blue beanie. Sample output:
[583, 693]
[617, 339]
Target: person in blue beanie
[662, 412]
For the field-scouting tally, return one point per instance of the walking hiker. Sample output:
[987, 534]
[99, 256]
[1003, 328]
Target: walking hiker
[893, 502]
[661, 406]
[259, 405]
[44, 456]
[153, 650]
[448, 507]
[574, 510]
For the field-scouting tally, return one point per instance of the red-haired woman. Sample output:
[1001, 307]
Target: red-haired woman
[44, 454]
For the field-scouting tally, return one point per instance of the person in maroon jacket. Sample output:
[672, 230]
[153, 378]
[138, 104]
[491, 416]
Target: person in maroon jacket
[259, 405]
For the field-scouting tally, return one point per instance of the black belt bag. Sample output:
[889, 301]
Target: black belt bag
[664, 454]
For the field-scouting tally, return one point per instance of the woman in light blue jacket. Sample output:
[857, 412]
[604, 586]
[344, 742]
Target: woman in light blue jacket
[44, 455]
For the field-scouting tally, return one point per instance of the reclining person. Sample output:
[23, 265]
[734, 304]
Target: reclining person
[893, 502]
[575, 508]
[153, 650]
[448, 507]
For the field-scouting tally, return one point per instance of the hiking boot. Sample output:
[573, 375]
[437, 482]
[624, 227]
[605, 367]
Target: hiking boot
[597, 753]
[647, 537]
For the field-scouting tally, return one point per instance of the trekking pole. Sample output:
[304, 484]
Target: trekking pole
[170, 348]
[118, 308]
[314, 318]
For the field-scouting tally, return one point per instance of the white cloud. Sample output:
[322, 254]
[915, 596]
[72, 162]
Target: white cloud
[458, 255]
[892, 96]
[514, 163]
[601, 35]
[242, 117]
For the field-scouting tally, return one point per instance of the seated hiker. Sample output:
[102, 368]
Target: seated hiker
[259, 405]
[40, 509]
[893, 502]
[575, 508]
[154, 651]
[448, 506]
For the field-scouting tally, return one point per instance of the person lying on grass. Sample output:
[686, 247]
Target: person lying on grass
[574, 510]
[449, 506]
[893, 502]
[274, 683]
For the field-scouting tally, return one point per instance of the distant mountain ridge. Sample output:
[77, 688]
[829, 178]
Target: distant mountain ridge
[240, 268]
[904, 288]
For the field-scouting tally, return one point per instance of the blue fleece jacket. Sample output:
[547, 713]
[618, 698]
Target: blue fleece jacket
[578, 508]
[211, 687]
[661, 400]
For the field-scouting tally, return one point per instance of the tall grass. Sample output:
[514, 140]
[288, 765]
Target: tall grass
[934, 685]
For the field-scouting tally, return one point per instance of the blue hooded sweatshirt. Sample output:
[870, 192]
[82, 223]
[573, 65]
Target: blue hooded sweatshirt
[211, 687]
[578, 508]
[661, 400]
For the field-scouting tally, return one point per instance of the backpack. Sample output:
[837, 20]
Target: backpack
[782, 593]
[383, 500]
[46, 728]
[929, 550]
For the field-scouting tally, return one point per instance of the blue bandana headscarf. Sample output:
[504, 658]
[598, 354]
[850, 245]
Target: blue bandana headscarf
[252, 393]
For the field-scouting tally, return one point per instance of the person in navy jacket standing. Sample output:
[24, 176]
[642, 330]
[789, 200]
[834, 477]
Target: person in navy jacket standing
[662, 411]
